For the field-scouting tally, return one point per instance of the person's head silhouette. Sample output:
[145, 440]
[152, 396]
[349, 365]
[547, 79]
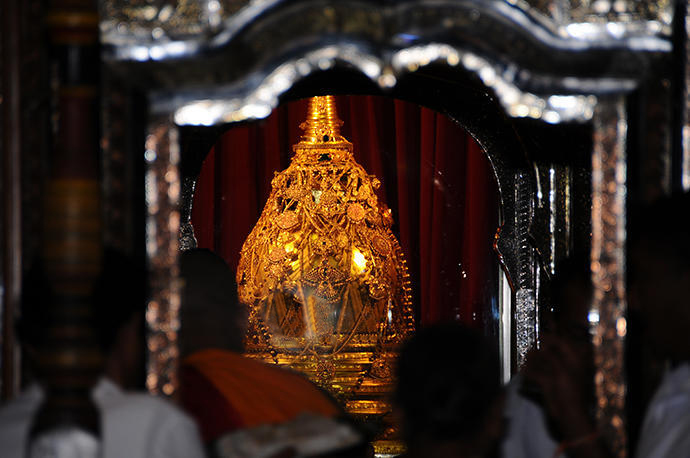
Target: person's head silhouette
[659, 274]
[449, 393]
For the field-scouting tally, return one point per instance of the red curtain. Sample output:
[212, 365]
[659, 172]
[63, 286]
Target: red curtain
[434, 177]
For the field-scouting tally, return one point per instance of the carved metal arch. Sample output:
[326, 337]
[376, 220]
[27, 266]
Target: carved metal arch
[128, 22]
[260, 92]
[157, 39]
[534, 72]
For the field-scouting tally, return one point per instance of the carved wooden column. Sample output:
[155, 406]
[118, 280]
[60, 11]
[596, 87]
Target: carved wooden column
[71, 244]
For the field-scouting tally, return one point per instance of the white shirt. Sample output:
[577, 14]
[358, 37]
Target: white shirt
[527, 435]
[308, 435]
[666, 427]
[133, 425]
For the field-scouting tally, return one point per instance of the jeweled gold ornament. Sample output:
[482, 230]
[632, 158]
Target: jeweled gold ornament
[322, 273]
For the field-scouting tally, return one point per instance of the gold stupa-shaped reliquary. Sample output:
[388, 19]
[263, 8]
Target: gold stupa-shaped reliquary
[322, 273]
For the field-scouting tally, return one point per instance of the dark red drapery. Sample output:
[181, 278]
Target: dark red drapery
[434, 177]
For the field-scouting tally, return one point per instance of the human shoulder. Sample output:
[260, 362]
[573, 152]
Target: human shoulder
[20, 409]
[517, 404]
[672, 396]
[27, 400]
[15, 418]
[148, 422]
[666, 428]
[112, 398]
[527, 434]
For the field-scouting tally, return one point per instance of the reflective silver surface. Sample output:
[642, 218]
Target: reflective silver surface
[162, 228]
[415, 29]
[130, 22]
[526, 310]
[534, 93]
[258, 102]
[189, 24]
[607, 314]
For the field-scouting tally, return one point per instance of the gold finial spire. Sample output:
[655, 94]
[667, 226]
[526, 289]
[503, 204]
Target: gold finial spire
[322, 126]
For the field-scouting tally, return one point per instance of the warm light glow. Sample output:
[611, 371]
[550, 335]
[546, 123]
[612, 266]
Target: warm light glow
[621, 327]
[323, 275]
[359, 261]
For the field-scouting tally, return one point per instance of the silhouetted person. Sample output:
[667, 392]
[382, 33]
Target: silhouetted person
[236, 400]
[449, 397]
[550, 404]
[135, 425]
[659, 278]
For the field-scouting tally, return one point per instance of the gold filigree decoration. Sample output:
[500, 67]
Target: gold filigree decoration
[322, 273]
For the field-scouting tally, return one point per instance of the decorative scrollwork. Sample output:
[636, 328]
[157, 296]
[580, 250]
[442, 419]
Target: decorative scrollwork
[130, 21]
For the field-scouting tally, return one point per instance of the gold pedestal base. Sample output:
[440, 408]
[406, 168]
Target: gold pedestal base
[386, 448]
[347, 376]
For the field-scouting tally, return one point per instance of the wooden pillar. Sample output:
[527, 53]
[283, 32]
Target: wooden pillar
[70, 362]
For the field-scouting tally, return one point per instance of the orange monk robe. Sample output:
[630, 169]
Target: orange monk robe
[225, 391]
